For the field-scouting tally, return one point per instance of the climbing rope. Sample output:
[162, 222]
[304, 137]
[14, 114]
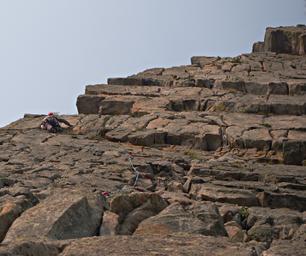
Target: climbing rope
[134, 169]
[107, 194]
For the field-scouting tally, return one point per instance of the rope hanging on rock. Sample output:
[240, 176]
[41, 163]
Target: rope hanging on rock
[134, 169]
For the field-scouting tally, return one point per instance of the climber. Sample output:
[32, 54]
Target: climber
[51, 123]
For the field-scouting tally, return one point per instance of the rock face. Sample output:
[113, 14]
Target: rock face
[201, 159]
[194, 219]
[210, 104]
[286, 248]
[65, 215]
[291, 40]
[133, 209]
[11, 209]
[169, 245]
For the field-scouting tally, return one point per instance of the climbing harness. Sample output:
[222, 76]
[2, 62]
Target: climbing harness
[134, 169]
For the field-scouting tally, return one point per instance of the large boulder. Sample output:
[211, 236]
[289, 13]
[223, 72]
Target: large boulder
[66, 214]
[133, 208]
[199, 218]
[280, 223]
[10, 210]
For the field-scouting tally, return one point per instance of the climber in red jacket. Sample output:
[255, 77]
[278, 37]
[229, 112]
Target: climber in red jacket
[51, 123]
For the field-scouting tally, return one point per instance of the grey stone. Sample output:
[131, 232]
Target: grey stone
[67, 214]
[201, 218]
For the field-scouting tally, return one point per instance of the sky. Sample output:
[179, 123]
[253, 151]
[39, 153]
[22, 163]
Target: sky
[51, 49]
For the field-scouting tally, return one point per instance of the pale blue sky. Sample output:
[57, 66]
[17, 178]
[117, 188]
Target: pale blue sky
[51, 49]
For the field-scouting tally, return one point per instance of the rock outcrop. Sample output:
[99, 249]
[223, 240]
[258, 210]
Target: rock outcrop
[291, 40]
[67, 214]
[202, 218]
[201, 159]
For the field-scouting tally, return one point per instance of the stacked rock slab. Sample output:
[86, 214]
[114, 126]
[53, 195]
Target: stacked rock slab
[253, 100]
[290, 40]
[201, 159]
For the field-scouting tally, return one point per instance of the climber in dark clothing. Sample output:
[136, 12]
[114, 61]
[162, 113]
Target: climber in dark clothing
[51, 123]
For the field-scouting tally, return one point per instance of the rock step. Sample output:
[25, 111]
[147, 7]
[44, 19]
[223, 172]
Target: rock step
[276, 138]
[248, 196]
[259, 185]
[181, 100]
[150, 91]
[157, 245]
[141, 81]
[247, 87]
[283, 136]
[283, 40]
[273, 105]
[280, 88]
[283, 176]
[272, 70]
[276, 104]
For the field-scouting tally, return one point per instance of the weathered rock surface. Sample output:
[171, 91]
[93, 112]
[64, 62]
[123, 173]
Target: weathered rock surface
[134, 208]
[10, 209]
[28, 248]
[190, 105]
[65, 215]
[234, 231]
[200, 218]
[285, 248]
[157, 245]
[284, 40]
[156, 160]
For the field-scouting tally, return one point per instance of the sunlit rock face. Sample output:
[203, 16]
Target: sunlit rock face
[200, 159]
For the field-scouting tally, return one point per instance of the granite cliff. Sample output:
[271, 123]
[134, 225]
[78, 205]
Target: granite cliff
[201, 159]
